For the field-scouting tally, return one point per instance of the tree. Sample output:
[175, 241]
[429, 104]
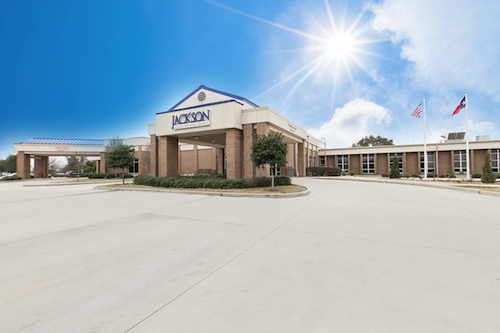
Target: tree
[75, 164]
[270, 150]
[89, 167]
[54, 165]
[487, 175]
[112, 144]
[121, 157]
[395, 168]
[9, 164]
[373, 141]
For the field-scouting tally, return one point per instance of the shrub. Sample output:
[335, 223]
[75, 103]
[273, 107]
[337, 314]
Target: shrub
[451, 175]
[206, 172]
[476, 175]
[282, 181]
[385, 175]
[352, 173]
[10, 178]
[405, 175]
[259, 182]
[441, 175]
[344, 173]
[323, 171]
[432, 174]
[394, 173]
[487, 176]
[415, 175]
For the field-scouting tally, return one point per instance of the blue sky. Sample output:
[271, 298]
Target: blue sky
[94, 69]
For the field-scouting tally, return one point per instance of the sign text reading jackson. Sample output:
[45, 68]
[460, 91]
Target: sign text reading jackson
[191, 119]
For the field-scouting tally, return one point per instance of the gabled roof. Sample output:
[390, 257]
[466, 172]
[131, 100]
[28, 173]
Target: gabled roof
[197, 106]
[82, 142]
[215, 91]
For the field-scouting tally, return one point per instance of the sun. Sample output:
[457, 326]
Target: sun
[340, 46]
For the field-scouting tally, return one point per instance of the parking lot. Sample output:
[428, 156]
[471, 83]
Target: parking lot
[350, 257]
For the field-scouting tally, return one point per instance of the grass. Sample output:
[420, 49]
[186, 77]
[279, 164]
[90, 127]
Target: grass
[254, 190]
[486, 188]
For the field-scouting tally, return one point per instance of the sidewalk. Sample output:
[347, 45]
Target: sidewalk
[430, 182]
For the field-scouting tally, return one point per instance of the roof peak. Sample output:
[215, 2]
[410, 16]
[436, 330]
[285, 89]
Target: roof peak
[215, 91]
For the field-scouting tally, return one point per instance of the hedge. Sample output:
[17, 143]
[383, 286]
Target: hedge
[108, 175]
[214, 182]
[10, 178]
[323, 171]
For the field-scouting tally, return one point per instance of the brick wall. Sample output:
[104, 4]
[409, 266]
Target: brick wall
[234, 143]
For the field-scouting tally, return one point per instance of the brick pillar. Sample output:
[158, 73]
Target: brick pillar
[290, 158]
[102, 165]
[263, 129]
[471, 159]
[452, 159]
[41, 167]
[168, 156]
[195, 159]
[234, 150]
[220, 160]
[23, 165]
[436, 161]
[248, 166]
[153, 156]
[301, 151]
[97, 167]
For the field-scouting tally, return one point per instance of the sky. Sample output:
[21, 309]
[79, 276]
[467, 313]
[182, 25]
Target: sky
[340, 69]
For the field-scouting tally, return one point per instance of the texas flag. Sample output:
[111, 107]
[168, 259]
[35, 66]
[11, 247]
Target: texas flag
[460, 107]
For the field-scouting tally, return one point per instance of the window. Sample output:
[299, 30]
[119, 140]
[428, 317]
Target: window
[343, 162]
[431, 162]
[369, 163]
[277, 171]
[460, 160]
[400, 159]
[134, 168]
[495, 154]
[322, 161]
[314, 161]
[310, 159]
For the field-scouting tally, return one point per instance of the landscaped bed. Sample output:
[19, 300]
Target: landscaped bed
[253, 190]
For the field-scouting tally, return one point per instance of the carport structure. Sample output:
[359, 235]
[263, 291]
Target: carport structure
[40, 149]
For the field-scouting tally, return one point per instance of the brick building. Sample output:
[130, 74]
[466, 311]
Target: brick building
[213, 130]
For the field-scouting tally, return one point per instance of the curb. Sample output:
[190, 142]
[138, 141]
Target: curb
[214, 194]
[439, 186]
[66, 184]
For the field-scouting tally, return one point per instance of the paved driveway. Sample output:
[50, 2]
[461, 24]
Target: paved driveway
[350, 257]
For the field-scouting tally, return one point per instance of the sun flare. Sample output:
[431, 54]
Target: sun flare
[340, 46]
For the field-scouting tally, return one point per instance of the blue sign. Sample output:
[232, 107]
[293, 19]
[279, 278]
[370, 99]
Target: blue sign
[191, 119]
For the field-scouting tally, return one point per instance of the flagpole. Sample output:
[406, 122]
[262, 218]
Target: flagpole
[425, 147]
[467, 135]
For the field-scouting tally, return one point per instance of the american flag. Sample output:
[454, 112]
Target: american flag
[417, 111]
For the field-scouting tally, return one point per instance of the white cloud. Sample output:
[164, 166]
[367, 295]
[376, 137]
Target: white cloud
[352, 122]
[453, 44]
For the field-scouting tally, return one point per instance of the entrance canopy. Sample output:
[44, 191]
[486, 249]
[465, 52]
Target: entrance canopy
[61, 147]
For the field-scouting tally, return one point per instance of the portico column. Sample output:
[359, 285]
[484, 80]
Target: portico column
[301, 152]
[263, 129]
[153, 156]
[248, 166]
[102, 164]
[168, 156]
[23, 165]
[41, 167]
[234, 150]
[220, 160]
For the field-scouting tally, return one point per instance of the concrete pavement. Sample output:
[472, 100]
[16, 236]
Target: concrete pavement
[350, 257]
